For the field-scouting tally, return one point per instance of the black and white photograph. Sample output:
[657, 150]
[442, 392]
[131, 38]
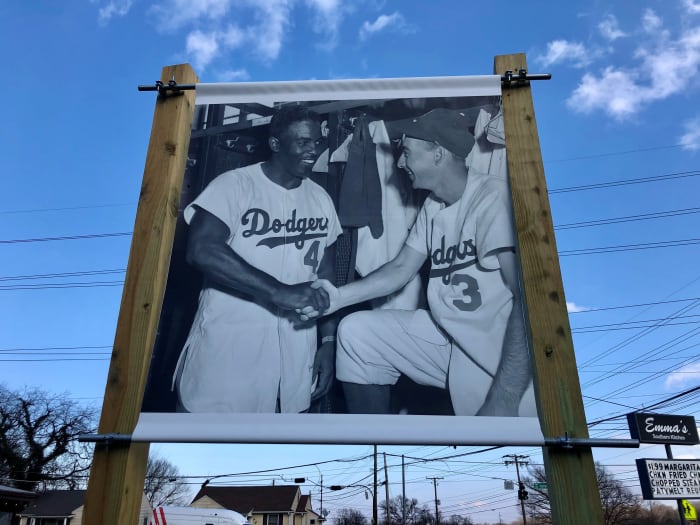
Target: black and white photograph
[344, 256]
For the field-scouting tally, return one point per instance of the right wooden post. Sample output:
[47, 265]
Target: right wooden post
[571, 479]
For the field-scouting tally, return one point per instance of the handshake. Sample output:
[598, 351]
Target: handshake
[309, 300]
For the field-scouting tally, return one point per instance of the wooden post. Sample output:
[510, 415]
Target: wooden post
[115, 488]
[571, 478]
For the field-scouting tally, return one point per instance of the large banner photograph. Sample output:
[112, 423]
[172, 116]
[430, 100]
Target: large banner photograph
[344, 270]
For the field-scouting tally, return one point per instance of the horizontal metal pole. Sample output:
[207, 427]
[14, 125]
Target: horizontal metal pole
[567, 442]
[104, 438]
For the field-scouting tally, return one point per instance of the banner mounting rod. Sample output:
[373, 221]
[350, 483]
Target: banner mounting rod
[173, 88]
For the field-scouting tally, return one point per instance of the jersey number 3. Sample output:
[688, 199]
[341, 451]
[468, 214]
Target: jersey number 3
[470, 290]
[311, 257]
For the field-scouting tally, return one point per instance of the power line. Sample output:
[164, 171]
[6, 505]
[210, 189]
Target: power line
[93, 284]
[616, 153]
[60, 275]
[42, 348]
[655, 303]
[629, 218]
[629, 247]
[625, 182]
[67, 208]
[65, 238]
[658, 404]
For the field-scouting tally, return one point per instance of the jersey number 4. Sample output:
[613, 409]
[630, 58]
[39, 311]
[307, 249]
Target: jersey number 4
[311, 258]
[470, 290]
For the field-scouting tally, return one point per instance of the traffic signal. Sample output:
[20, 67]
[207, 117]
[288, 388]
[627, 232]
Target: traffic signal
[522, 493]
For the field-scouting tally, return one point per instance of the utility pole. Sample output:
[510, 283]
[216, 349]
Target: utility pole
[374, 491]
[403, 491]
[386, 491]
[437, 516]
[522, 493]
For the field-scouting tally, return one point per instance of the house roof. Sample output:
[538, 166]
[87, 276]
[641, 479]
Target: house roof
[268, 498]
[304, 501]
[13, 493]
[55, 504]
[14, 500]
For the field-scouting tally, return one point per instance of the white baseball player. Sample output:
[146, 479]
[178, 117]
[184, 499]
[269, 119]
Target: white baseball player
[472, 340]
[260, 234]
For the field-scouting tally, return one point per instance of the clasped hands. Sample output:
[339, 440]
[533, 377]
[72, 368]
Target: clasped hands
[309, 299]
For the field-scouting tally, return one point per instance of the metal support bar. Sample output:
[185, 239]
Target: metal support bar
[173, 88]
[105, 438]
[522, 76]
[568, 442]
[563, 441]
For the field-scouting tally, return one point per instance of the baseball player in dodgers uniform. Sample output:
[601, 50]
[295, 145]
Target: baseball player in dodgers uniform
[472, 340]
[260, 235]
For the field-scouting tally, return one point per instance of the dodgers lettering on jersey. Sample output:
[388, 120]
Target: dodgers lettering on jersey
[448, 255]
[260, 224]
[446, 262]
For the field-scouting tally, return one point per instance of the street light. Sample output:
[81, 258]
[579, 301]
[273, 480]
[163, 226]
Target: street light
[303, 480]
[367, 489]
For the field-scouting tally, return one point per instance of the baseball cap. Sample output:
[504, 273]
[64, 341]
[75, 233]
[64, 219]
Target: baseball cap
[447, 127]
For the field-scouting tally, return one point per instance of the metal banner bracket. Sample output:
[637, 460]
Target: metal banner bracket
[521, 77]
[170, 89]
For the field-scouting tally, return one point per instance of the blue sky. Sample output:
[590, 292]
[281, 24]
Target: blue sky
[623, 104]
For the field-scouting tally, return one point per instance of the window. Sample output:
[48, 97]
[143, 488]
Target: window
[273, 519]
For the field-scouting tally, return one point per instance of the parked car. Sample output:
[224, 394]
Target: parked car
[195, 516]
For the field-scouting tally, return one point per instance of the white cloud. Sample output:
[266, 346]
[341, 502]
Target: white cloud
[651, 22]
[174, 14]
[273, 18]
[234, 75]
[692, 6]
[210, 38]
[202, 47]
[112, 9]
[232, 37]
[614, 91]
[563, 51]
[610, 29]
[394, 21]
[572, 308]
[328, 15]
[621, 92]
[683, 376]
[691, 138]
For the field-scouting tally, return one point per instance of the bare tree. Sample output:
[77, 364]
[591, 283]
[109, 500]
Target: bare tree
[163, 485]
[415, 514]
[39, 439]
[457, 519]
[618, 502]
[350, 517]
[538, 500]
[655, 514]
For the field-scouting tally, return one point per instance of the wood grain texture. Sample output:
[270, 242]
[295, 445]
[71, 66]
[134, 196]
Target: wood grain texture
[116, 480]
[571, 478]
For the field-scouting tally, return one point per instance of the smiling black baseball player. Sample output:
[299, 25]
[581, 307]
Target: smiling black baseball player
[260, 234]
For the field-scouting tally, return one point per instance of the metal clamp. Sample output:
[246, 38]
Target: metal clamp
[172, 88]
[521, 77]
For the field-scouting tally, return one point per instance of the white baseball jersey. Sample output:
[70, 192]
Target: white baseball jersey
[466, 292]
[240, 354]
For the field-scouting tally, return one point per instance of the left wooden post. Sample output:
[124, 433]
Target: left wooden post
[115, 487]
